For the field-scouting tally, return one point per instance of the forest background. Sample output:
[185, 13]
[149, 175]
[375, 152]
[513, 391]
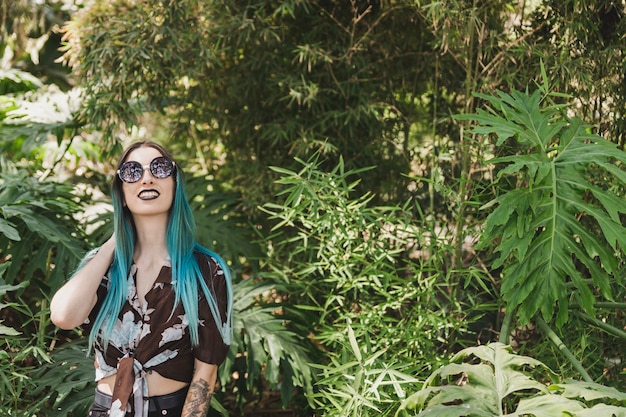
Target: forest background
[421, 201]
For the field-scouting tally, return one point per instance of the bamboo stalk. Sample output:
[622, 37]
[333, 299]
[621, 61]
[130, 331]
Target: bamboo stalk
[602, 325]
[505, 330]
[609, 304]
[554, 338]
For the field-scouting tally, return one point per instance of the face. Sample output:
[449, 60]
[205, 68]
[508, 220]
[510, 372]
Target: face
[150, 195]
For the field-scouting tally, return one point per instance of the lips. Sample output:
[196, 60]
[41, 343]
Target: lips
[148, 194]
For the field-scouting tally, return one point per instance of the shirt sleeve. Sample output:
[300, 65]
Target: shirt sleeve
[211, 348]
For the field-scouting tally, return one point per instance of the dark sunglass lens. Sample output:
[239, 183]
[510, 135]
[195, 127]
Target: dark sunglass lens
[161, 167]
[131, 171]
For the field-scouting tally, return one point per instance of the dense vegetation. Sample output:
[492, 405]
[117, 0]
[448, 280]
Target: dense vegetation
[422, 201]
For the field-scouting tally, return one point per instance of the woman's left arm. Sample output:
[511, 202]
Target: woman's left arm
[200, 390]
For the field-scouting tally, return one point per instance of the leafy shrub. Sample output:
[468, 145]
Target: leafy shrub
[64, 388]
[265, 348]
[377, 268]
[14, 378]
[555, 227]
[490, 381]
[357, 382]
[39, 245]
[38, 233]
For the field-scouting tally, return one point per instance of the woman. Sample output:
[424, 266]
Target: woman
[157, 305]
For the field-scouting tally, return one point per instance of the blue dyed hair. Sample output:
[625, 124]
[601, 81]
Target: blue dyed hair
[187, 278]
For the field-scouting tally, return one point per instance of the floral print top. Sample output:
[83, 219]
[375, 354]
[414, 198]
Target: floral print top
[151, 338]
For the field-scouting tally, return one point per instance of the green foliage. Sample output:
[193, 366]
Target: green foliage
[219, 224]
[29, 42]
[32, 120]
[39, 245]
[345, 260]
[64, 387]
[39, 235]
[22, 349]
[29, 119]
[249, 77]
[249, 84]
[557, 233]
[578, 43]
[322, 232]
[356, 382]
[157, 59]
[6, 330]
[13, 81]
[264, 347]
[490, 380]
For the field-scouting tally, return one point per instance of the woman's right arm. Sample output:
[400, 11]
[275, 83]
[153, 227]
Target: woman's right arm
[73, 302]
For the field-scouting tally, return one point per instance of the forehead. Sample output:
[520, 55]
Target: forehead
[144, 155]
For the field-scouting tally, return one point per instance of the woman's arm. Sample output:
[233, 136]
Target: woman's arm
[73, 302]
[200, 390]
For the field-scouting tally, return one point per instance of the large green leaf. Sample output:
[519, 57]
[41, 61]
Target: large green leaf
[547, 233]
[267, 346]
[493, 381]
[8, 230]
[603, 410]
[589, 391]
[547, 406]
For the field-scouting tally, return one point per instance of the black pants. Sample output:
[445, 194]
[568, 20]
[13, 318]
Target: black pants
[170, 405]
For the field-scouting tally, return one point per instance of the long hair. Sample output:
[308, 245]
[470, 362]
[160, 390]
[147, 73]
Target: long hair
[181, 244]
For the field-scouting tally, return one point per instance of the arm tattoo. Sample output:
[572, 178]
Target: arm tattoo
[198, 399]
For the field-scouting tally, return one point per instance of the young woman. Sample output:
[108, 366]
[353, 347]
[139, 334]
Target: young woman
[156, 304]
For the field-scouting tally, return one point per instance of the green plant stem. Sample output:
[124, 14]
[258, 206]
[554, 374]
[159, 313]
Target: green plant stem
[602, 325]
[435, 154]
[554, 338]
[608, 304]
[505, 330]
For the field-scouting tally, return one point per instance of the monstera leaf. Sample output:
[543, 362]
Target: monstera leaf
[492, 381]
[555, 228]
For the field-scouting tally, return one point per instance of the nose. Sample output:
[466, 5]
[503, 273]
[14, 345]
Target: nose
[146, 176]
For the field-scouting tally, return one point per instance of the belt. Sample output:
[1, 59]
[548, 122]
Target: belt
[156, 403]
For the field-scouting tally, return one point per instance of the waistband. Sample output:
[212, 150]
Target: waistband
[156, 403]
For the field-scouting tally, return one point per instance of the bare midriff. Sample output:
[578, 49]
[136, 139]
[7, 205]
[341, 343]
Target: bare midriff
[157, 384]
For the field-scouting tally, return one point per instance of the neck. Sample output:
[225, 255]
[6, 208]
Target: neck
[151, 244]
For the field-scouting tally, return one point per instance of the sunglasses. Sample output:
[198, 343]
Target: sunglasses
[132, 171]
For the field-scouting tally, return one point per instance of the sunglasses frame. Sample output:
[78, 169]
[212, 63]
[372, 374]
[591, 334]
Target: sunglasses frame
[151, 167]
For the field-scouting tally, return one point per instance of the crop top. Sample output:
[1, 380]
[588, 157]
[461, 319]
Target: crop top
[151, 338]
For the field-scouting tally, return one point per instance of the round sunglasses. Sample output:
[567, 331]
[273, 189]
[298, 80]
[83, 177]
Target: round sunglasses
[132, 171]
